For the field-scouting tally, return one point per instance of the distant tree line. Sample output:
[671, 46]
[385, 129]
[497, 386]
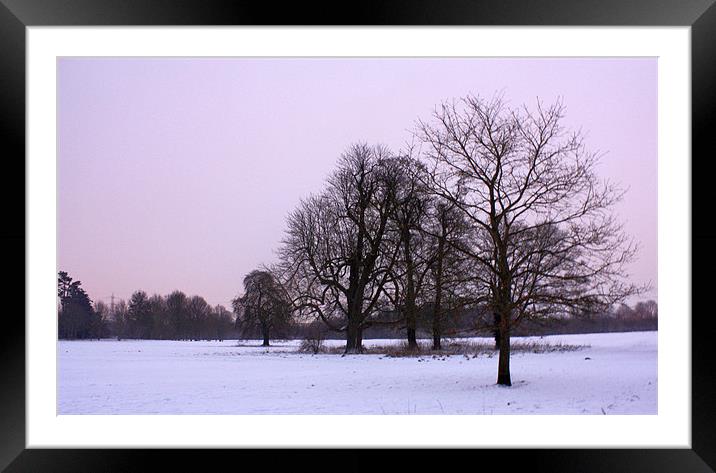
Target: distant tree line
[168, 318]
[172, 317]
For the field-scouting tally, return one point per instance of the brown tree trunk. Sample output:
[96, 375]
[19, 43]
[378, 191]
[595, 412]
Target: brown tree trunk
[503, 368]
[352, 338]
[437, 308]
[355, 312]
[359, 340]
[437, 322]
[496, 332]
[266, 337]
[436, 336]
[410, 309]
[412, 339]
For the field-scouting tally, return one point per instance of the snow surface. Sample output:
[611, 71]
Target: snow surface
[616, 374]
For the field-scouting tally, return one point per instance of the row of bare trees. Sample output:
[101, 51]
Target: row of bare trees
[374, 248]
[175, 316]
[491, 205]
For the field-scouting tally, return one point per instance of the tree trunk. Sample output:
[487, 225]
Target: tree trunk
[410, 309]
[412, 340]
[359, 340]
[496, 332]
[437, 307]
[436, 336]
[437, 322]
[503, 368]
[352, 338]
[265, 332]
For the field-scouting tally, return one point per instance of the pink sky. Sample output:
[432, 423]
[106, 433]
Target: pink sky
[179, 173]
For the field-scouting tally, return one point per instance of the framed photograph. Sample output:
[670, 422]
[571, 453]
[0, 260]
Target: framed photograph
[427, 225]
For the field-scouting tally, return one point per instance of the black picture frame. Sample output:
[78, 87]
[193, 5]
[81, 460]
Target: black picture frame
[16, 15]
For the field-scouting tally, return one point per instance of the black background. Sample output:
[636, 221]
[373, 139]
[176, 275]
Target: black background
[15, 15]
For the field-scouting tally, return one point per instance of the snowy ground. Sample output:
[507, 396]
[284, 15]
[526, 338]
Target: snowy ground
[617, 374]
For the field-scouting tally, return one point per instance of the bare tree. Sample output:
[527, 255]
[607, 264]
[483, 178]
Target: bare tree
[449, 285]
[263, 306]
[100, 322]
[413, 262]
[336, 256]
[624, 312]
[140, 315]
[120, 319]
[646, 310]
[198, 311]
[160, 325]
[221, 323]
[177, 311]
[545, 233]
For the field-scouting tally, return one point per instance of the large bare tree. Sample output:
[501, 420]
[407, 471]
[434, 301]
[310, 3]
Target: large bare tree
[336, 257]
[545, 232]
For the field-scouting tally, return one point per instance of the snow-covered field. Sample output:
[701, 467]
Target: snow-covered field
[616, 374]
